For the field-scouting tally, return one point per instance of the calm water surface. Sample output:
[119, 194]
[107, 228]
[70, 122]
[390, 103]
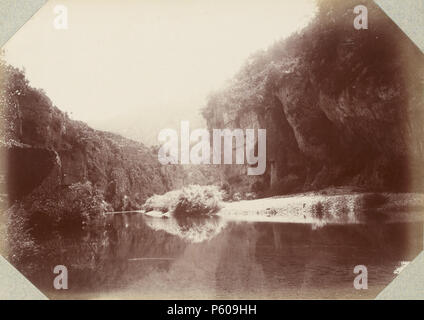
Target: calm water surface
[135, 256]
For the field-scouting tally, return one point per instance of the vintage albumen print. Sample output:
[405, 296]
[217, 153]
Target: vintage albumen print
[211, 149]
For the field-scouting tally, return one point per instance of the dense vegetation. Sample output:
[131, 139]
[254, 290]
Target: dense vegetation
[341, 106]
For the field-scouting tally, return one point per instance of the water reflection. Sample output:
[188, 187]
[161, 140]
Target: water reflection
[197, 229]
[134, 256]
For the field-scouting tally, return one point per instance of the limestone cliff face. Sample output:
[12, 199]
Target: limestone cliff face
[341, 106]
[47, 143]
[43, 150]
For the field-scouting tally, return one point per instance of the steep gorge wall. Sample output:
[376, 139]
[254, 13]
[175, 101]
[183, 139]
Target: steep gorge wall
[43, 151]
[341, 106]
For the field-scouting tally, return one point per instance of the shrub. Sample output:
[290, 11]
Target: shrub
[163, 203]
[66, 210]
[198, 200]
[227, 192]
[237, 196]
[193, 200]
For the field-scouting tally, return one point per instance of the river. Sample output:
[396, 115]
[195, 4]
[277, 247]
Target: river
[137, 256]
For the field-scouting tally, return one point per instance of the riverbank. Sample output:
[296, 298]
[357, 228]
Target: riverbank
[315, 207]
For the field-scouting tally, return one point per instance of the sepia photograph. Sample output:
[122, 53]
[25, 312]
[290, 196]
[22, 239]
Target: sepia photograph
[213, 150]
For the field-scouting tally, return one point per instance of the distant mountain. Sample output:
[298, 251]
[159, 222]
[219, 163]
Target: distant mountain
[136, 126]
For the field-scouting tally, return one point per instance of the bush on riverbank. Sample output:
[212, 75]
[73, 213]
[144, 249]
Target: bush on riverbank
[193, 200]
[49, 216]
[66, 210]
[162, 202]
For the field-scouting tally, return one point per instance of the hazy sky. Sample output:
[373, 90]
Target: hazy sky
[146, 63]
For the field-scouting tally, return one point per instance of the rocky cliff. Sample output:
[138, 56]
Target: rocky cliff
[44, 151]
[341, 106]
